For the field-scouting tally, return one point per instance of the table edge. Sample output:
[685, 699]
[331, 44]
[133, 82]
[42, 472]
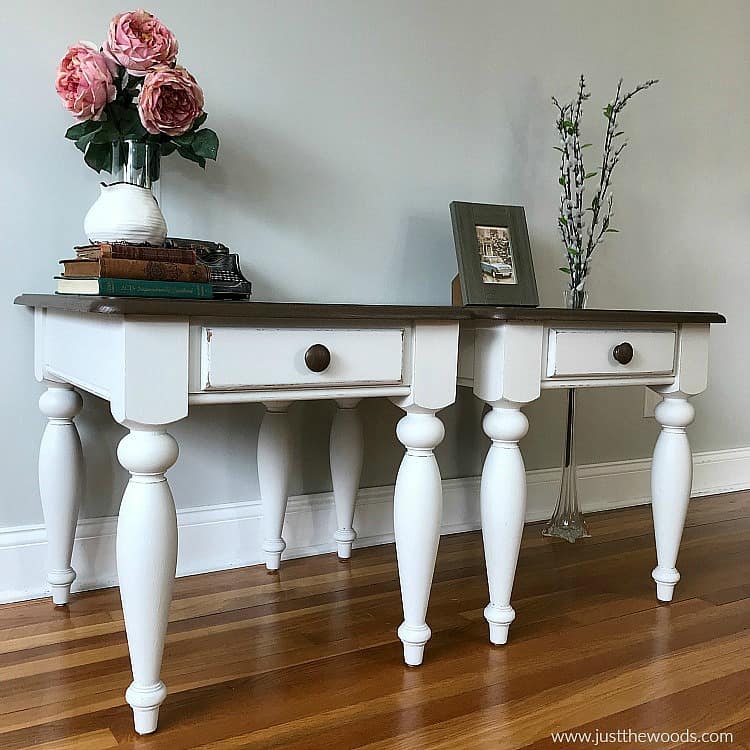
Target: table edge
[145, 306]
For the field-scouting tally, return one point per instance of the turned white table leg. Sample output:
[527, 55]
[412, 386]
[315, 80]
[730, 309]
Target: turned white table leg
[671, 482]
[503, 508]
[60, 483]
[346, 450]
[274, 454]
[418, 505]
[146, 563]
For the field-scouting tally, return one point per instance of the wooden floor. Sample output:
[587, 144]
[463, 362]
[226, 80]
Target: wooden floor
[309, 659]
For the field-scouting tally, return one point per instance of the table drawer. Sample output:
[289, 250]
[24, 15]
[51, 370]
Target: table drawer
[237, 358]
[576, 352]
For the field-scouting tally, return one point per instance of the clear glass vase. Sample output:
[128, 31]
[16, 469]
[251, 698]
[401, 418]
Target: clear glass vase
[136, 163]
[576, 299]
[567, 521]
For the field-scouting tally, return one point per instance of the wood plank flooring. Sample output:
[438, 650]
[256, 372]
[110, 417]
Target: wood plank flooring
[309, 658]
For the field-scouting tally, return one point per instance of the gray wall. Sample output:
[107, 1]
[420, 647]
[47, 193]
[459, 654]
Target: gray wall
[346, 130]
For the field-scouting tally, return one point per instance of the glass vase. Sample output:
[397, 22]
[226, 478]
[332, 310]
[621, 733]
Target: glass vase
[576, 299]
[136, 163]
[567, 521]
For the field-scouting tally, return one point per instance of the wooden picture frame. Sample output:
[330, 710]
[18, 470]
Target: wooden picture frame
[494, 255]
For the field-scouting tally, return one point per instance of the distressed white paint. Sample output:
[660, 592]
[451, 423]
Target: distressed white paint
[505, 357]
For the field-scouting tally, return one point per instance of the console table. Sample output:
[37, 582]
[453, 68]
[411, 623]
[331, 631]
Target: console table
[152, 359]
[508, 355]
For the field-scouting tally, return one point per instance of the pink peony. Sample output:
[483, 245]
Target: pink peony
[84, 81]
[139, 41]
[169, 101]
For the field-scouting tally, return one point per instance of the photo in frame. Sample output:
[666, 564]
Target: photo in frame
[494, 255]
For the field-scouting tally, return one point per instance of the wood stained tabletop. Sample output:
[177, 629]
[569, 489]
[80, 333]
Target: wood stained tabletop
[311, 311]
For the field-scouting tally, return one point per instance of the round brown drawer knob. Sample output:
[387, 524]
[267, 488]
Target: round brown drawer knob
[317, 358]
[623, 353]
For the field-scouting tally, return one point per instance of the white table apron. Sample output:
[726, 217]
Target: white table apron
[152, 368]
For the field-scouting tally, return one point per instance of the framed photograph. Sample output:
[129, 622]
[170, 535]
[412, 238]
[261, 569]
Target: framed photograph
[494, 255]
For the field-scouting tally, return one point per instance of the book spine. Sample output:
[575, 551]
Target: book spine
[137, 288]
[136, 252]
[151, 270]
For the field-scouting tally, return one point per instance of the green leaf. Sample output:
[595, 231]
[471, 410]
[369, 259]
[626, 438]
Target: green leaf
[619, 132]
[74, 132]
[136, 133]
[186, 139]
[586, 145]
[108, 133]
[611, 230]
[563, 220]
[561, 180]
[573, 251]
[557, 148]
[564, 269]
[129, 123]
[199, 121]
[167, 148]
[99, 156]
[83, 142]
[206, 144]
[590, 174]
[190, 155]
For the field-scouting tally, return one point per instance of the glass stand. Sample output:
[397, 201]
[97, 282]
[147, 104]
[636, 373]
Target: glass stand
[567, 521]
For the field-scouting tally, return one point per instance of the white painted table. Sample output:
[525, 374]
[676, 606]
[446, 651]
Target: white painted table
[509, 355]
[153, 359]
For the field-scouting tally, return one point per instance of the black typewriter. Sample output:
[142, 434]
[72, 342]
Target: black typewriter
[224, 267]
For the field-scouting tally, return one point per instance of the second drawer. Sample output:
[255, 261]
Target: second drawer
[575, 352]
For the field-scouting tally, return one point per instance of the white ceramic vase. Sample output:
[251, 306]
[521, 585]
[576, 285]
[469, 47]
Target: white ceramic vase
[125, 213]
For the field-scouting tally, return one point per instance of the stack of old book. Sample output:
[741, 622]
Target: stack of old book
[123, 270]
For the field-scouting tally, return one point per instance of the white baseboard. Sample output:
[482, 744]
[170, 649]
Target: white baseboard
[217, 537]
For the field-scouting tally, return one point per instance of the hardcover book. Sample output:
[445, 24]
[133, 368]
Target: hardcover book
[134, 288]
[135, 252]
[149, 270]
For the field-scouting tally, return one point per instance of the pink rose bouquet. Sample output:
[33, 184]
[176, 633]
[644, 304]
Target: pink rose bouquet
[131, 89]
